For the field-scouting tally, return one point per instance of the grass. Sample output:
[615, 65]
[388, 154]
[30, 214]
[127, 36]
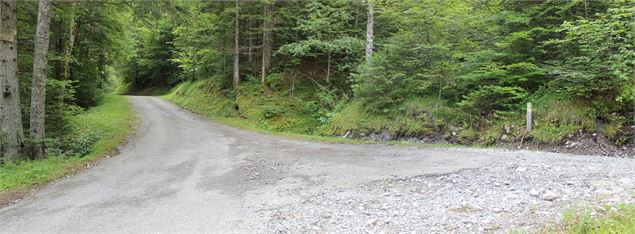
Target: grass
[555, 120]
[620, 219]
[415, 117]
[202, 98]
[113, 121]
[299, 114]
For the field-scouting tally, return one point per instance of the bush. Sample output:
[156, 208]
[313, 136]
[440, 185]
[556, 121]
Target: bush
[490, 100]
[399, 72]
[58, 110]
[82, 143]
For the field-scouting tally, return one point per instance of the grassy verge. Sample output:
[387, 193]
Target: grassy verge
[202, 100]
[619, 219]
[112, 121]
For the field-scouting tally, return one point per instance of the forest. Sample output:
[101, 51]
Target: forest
[449, 71]
[129, 87]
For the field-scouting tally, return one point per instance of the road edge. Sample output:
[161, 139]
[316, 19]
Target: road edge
[8, 198]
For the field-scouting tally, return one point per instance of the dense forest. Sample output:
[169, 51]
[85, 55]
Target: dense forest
[437, 71]
[452, 71]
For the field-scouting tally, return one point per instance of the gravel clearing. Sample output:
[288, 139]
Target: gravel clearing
[519, 195]
[182, 173]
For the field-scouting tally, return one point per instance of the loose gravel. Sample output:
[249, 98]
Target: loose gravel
[509, 196]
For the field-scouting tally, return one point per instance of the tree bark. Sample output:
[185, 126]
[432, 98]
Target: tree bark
[223, 41]
[328, 68]
[236, 79]
[250, 43]
[11, 134]
[369, 32]
[68, 49]
[38, 89]
[267, 41]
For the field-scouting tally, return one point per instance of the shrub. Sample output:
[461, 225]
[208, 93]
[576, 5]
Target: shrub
[82, 143]
[492, 100]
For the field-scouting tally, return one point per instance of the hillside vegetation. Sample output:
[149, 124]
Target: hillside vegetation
[441, 72]
[91, 135]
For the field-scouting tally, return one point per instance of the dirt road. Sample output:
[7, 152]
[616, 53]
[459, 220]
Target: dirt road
[183, 173]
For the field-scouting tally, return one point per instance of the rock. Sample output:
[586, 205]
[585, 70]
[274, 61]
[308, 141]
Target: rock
[625, 181]
[348, 134]
[549, 195]
[385, 135]
[572, 145]
[534, 193]
[372, 222]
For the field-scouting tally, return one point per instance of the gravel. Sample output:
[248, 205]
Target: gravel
[519, 195]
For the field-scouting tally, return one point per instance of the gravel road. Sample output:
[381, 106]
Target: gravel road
[182, 173]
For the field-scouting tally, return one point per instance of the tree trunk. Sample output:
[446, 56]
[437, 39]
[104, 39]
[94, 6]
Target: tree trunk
[369, 32]
[38, 89]
[328, 68]
[223, 41]
[250, 43]
[10, 116]
[236, 79]
[267, 42]
[68, 49]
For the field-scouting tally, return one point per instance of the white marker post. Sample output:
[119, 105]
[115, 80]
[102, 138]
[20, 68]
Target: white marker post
[528, 116]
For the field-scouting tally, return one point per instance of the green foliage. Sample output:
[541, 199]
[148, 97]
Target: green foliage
[599, 62]
[58, 110]
[614, 129]
[82, 143]
[556, 120]
[78, 70]
[112, 120]
[492, 100]
[607, 220]
[273, 112]
[468, 135]
[195, 58]
[385, 83]
[153, 64]
[436, 65]
[416, 117]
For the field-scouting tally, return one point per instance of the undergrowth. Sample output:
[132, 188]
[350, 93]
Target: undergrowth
[310, 109]
[93, 133]
[620, 219]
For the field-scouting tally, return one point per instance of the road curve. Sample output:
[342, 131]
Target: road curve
[182, 173]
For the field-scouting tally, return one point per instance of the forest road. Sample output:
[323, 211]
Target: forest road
[183, 173]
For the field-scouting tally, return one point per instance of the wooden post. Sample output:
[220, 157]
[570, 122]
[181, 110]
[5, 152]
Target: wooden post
[528, 116]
